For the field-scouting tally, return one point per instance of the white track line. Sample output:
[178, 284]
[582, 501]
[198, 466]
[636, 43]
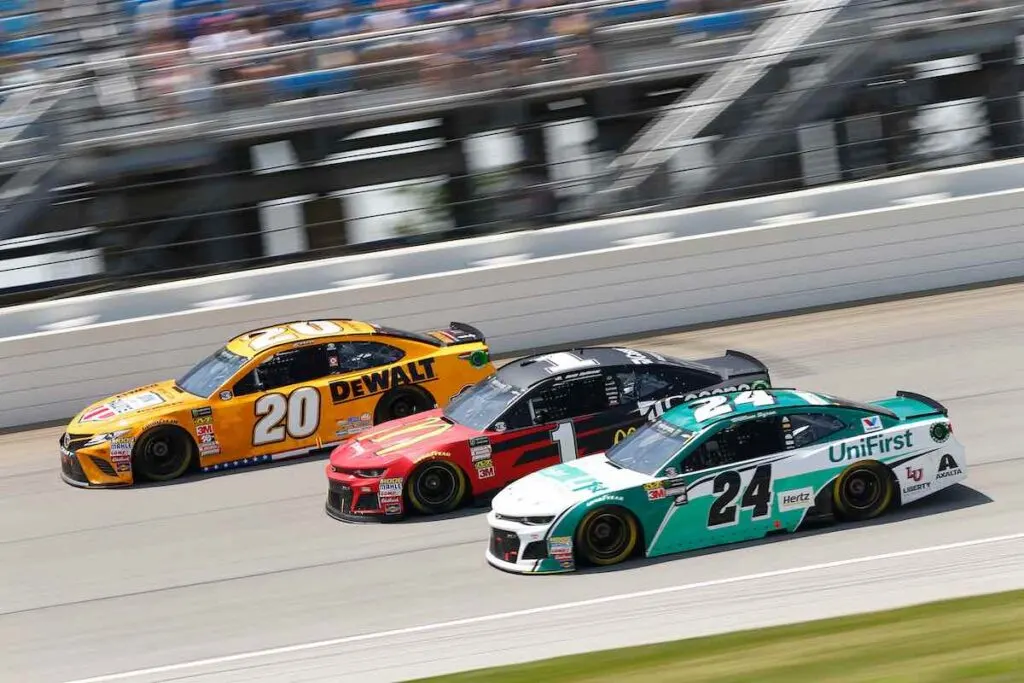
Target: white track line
[539, 610]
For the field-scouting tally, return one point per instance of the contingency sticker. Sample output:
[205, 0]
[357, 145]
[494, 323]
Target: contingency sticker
[479, 448]
[560, 548]
[121, 454]
[484, 468]
[655, 490]
[202, 418]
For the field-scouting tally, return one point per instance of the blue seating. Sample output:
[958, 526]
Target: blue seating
[533, 31]
[8, 6]
[21, 46]
[334, 80]
[717, 23]
[635, 10]
[19, 23]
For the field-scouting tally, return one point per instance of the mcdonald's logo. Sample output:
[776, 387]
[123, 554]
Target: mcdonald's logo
[621, 434]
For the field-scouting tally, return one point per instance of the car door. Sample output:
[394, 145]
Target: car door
[557, 421]
[723, 485]
[360, 375]
[282, 406]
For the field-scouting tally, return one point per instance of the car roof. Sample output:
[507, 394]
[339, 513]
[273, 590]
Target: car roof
[683, 416]
[525, 372]
[299, 330]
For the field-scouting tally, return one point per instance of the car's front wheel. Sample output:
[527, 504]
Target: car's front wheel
[436, 487]
[162, 454]
[607, 536]
[863, 491]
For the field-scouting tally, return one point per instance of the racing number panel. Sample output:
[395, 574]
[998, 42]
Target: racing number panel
[607, 417]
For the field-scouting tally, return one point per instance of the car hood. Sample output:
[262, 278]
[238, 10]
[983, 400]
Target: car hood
[554, 489]
[409, 437]
[114, 411]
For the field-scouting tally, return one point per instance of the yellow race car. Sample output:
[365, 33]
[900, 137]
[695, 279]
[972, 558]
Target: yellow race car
[269, 394]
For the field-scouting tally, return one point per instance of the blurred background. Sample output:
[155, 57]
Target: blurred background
[149, 140]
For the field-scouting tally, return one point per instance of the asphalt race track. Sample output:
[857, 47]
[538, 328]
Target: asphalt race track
[242, 577]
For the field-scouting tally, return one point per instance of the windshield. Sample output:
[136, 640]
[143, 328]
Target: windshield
[650, 447]
[483, 403]
[208, 376]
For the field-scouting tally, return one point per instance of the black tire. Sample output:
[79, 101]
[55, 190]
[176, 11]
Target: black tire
[402, 403]
[162, 454]
[863, 491]
[607, 536]
[436, 487]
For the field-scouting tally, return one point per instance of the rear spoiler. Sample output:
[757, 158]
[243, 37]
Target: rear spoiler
[746, 356]
[458, 333]
[930, 402]
[749, 358]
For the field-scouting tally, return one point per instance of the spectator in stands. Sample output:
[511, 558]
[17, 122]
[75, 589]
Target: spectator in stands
[168, 72]
[153, 18]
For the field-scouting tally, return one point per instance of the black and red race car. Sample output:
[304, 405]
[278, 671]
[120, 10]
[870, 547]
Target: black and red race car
[532, 413]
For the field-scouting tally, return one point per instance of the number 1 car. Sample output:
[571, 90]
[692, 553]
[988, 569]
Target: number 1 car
[726, 469]
[532, 413]
[269, 394]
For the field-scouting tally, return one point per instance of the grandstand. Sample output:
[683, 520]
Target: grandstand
[130, 125]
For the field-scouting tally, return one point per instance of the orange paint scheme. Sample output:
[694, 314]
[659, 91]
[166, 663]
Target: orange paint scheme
[270, 394]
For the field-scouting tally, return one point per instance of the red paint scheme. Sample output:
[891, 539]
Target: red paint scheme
[400, 446]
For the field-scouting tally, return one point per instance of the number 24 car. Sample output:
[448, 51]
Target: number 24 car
[726, 469]
[268, 394]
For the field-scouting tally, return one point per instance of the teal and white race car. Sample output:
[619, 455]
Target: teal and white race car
[725, 469]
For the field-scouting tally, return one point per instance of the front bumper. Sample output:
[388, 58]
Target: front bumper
[521, 548]
[90, 467]
[358, 500]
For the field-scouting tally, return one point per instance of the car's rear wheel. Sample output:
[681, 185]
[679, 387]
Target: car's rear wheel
[402, 403]
[436, 487]
[162, 454]
[607, 536]
[863, 491]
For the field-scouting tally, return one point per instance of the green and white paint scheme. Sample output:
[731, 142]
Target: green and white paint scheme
[724, 469]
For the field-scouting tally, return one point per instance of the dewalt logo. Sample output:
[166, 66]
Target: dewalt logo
[380, 381]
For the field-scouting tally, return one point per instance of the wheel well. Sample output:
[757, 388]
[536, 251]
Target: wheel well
[193, 456]
[641, 544]
[398, 391]
[467, 494]
[868, 463]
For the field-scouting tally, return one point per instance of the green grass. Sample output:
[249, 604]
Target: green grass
[978, 639]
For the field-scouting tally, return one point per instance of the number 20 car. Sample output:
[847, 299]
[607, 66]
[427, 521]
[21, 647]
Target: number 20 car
[268, 394]
[726, 469]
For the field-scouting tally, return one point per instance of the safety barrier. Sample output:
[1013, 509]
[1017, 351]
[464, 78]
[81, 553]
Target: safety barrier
[681, 268]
